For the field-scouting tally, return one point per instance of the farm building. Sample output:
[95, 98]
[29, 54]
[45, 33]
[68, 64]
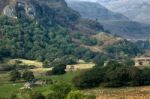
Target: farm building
[29, 85]
[71, 68]
[142, 61]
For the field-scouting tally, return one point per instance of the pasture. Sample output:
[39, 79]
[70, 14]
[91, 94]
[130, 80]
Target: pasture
[7, 87]
[121, 93]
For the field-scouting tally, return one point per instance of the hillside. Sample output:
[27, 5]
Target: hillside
[47, 13]
[94, 11]
[106, 39]
[51, 32]
[48, 51]
[128, 29]
[137, 10]
[113, 22]
[42, 30]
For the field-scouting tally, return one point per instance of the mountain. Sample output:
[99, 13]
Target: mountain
[137, 10]
[93, 10]
[113, 22]
[48, 12]
[128, 29]
[43, 30]
[36, 9]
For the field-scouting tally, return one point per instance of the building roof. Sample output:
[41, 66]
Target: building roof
[142, 59]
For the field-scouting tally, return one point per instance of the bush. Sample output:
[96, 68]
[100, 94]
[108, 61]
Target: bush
[18, 61]
[75, 95]
[28, 75]
[69, 60]
[88, 79]
[7, 67]
[59, 69]
[53, 95]
[13, 96]
[15, 75]
[114, 74]
[61, 90]
[79, 95]
[145, 77]
[118, 77]
[49, 73]
[37, 95]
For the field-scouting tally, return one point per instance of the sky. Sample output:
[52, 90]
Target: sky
[86, 0]
[89, 0]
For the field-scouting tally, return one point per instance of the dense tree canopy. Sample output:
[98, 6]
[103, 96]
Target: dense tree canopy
[33, 41]
[114, 74]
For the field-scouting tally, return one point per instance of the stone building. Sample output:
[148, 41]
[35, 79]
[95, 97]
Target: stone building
[76, 67]
[142, 61]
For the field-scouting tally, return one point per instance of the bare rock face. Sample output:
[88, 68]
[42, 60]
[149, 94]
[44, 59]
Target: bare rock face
[50, 13]
[9, 12]
[11, 9]
[43, 11]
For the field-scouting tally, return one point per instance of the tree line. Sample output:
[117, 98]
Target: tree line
[114, 74]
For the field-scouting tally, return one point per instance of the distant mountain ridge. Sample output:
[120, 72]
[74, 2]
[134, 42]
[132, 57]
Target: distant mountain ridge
[137, 10]
[94, 10]
[113, 22]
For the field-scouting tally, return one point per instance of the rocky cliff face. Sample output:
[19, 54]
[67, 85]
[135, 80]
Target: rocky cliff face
[48, 11]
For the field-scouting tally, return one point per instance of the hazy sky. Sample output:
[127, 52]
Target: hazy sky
[89, 0]
[84, 0]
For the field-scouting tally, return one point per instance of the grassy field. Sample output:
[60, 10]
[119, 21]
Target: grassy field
[82, 66]
[4, 77]
[121, 93]
[26, 62]
[8, 88]
[101, 93]
[62, 78]
[38, 70]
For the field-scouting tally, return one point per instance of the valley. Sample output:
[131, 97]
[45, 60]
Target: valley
[113, 21]
[7, 88]
[57, 49]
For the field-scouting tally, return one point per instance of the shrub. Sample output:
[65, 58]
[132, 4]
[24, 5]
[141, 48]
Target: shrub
[53, 95]
[18, 61]
[114, 74]
[49, 73]
[145, 77]
[7, 67]
[59, 69]
[79, 95]
[37, 95]
[61, 90]
[88, 79]
[28, 75]
[116, 78]
[75, 95]
[15, 75]
[13, 96]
